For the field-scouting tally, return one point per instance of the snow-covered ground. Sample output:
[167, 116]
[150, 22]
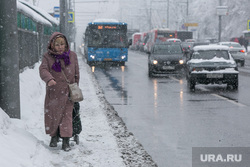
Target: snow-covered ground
[104, 140]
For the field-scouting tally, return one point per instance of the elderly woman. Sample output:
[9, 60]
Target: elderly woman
[58, 107]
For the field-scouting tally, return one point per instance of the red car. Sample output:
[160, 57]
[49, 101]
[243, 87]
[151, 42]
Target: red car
[235, 39]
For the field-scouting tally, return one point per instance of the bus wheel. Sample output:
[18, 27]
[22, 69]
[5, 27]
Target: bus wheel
[122, 63]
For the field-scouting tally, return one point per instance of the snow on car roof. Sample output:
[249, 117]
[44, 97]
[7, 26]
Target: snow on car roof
[215, 59]
[232, 45]
[228, 42]
[173, 39]
[106, 20]
[210, 47]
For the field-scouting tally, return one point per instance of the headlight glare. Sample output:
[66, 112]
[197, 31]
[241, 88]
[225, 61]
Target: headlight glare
[181, 61]
[123, 56]
[155, 62]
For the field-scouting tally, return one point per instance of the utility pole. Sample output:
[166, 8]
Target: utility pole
[150, 15]
[187, 15]
[168, 15]
[220, 24]
[186, 20]
[64, 17]
[221, 11]
[9, 60]
[71, 25]
[150, 22]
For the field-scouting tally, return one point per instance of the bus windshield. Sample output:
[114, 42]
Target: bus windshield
[108, 38]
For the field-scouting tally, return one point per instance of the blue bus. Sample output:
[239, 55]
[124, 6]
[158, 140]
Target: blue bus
[106, 41]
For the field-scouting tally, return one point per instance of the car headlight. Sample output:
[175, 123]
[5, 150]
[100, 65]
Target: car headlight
[123, 56]
[155, 62]
[92, 56]
[181, 61]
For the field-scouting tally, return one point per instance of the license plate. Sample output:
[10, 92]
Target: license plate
[214, 75]
[107, 59]
[168, 67]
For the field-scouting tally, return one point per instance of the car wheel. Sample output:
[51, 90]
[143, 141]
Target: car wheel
[122, 63]
[87, 62]
[191, 84]
[150, 73]
[234, 84]
[242, 64]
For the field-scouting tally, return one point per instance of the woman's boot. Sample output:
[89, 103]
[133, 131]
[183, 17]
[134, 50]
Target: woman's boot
[65, 144]
[53, 141]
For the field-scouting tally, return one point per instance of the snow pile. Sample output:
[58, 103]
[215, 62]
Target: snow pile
[104, 140]
[5, 122]
[31, 13]
[41, 11]
[19, 147]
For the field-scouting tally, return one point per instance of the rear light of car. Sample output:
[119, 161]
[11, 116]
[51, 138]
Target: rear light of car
[197, 69]
[243, 51]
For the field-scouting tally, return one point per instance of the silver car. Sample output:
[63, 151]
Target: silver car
[211, 64]
[237, 51]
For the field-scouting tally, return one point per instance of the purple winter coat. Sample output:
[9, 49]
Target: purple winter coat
[57, 107]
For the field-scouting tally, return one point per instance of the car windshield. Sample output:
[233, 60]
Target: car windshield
[210, 54]
[167, 49]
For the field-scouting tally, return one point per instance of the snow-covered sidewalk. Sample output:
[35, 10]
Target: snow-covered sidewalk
[104, 140]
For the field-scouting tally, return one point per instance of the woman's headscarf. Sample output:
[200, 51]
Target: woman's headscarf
[65, 56]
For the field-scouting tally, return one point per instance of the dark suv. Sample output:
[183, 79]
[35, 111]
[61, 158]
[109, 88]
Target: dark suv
[165, 58]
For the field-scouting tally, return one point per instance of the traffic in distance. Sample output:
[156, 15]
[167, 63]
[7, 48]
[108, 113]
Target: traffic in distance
[202, 62]
[169, 52]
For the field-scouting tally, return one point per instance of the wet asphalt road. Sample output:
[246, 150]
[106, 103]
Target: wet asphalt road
[169, 119]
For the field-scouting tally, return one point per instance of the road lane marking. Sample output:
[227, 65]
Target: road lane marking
[229, 100]
[219, 96]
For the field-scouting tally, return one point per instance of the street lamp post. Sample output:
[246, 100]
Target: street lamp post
[221, 11]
